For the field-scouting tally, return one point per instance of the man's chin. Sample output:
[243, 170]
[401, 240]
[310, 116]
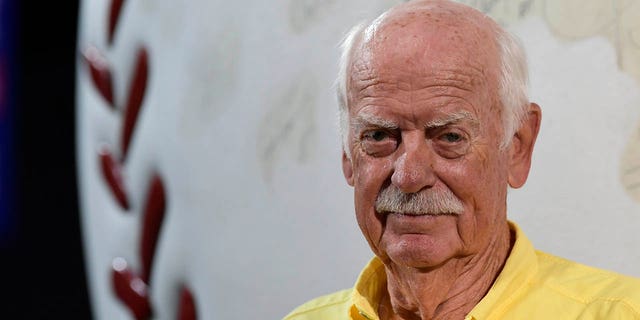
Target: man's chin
[420, 241]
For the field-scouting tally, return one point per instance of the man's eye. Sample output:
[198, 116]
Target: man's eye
[378, 143]
[452, 143]
[376, 135]
[451, 137]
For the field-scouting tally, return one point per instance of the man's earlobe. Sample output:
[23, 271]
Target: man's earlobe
[521, 149]
[347, 168]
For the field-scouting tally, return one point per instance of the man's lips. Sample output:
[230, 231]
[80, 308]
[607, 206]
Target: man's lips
[401, 223]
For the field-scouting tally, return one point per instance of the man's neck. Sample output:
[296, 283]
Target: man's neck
[447, 292]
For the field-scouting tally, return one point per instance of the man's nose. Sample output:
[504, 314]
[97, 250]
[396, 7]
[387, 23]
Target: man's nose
[413, 170]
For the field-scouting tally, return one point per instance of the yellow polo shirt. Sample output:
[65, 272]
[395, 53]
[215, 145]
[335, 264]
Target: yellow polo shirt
[532, 285]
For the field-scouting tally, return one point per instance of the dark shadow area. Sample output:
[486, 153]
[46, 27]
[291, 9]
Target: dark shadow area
[44, 262]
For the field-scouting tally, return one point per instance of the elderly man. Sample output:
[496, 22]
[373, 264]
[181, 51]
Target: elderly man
[436, 125]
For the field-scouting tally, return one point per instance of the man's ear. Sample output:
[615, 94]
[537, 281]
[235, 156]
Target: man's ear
[347, 168]
[521, 148]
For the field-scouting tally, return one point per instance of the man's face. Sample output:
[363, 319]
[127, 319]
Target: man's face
[425, 119]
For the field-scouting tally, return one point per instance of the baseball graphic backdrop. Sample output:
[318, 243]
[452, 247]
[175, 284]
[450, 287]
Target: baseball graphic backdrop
[209, 159]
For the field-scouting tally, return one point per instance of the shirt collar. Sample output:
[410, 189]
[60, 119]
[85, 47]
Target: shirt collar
[368, 291]
[519, 269]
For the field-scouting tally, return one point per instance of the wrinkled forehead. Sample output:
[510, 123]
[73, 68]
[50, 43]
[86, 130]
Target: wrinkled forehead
[428, 37]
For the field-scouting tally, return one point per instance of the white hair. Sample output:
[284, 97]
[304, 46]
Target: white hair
[346, 48]
[512, 83]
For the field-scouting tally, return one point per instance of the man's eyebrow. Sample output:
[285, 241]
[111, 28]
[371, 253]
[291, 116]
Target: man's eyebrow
[452, 118]
[367, 119]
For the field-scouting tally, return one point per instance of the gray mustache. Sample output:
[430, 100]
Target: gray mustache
[429, 201]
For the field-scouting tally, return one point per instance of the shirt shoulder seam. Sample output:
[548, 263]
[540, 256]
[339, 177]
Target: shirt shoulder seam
[632, 306]
[589, 300]
[322, 306]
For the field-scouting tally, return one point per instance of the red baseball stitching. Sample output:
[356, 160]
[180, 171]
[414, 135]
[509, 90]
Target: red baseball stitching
[132, 288]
